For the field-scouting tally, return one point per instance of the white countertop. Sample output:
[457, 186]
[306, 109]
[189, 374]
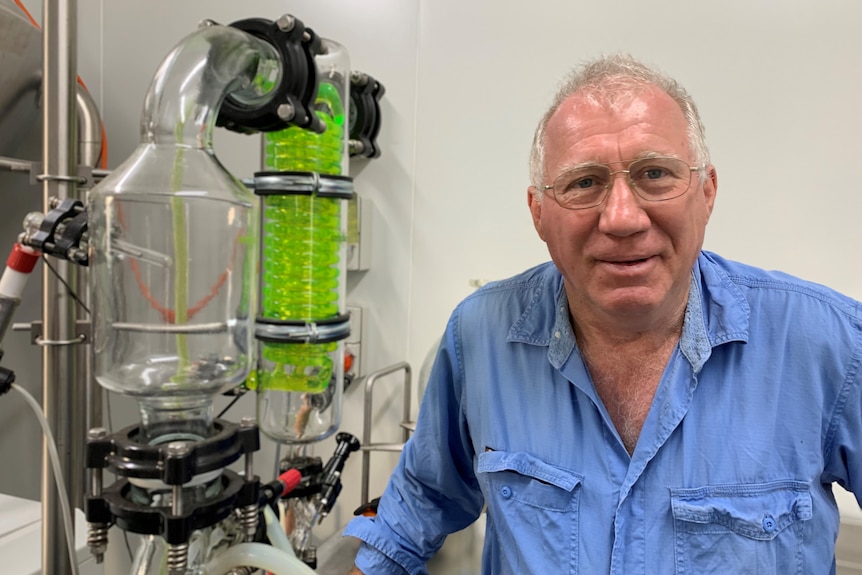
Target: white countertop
[21, 538]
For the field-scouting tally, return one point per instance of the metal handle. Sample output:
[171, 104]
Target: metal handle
[367, 446]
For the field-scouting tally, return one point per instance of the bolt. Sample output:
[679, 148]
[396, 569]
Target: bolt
[33, 221]
[177, 448]
[78, 254]
[286, 112]
[359, 78]
[286, 23]
[97, 433]
[207, 23]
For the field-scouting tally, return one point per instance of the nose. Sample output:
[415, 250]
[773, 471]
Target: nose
[621, 214]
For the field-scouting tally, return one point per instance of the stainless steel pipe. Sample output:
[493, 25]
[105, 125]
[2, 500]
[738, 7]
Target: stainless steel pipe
[63, 407]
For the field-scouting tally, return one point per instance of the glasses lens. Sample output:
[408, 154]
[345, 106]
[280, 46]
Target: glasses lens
[582, 187]
[657, 179]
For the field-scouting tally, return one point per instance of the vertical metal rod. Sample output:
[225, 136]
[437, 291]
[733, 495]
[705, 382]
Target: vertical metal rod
[59, 165]
[89, 153]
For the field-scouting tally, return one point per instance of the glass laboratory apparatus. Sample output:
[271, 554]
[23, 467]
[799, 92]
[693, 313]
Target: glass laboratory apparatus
[174, 251]
[174, 242]
[301, 326]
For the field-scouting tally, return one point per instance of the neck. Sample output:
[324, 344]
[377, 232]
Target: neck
[599, 330]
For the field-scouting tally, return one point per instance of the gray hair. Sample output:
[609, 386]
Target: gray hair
[605, 81]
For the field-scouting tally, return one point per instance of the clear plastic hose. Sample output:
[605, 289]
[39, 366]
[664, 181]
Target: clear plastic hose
[257, 555]
[274, 531]
[58, 475]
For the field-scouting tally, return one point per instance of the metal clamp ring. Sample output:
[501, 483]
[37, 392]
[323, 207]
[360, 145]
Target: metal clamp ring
[79, 340]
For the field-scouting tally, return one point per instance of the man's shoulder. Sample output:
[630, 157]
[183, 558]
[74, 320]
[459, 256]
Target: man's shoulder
[771, 285]
[544, 276]
[511, 296]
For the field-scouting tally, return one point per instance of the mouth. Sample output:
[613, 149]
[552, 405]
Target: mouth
[628, 264]
[632, 262]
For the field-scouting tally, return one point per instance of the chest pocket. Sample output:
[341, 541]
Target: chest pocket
[755, 529]
[532, 512]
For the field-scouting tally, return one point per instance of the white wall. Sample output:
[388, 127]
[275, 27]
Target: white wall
[777, 84]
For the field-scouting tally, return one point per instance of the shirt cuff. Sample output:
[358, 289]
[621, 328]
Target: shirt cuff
[371, 561]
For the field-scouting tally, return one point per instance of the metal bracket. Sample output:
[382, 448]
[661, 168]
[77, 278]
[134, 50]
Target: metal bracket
[83, 178]
[83, 330]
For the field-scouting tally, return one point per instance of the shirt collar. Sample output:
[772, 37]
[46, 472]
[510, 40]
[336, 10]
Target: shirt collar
[716, 313]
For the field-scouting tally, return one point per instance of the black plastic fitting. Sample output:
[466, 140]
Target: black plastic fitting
[292, 103]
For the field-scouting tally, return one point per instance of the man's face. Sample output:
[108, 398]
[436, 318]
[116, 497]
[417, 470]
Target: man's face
[627, 261]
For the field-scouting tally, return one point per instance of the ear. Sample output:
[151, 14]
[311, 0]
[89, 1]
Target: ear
[534, 201]
[710, 189]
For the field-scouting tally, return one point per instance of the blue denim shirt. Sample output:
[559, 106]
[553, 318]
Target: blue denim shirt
[758, 413]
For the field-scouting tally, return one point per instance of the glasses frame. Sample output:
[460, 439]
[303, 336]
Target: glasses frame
[632, 186]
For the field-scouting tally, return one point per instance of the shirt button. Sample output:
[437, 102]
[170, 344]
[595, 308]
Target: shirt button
[506, 492]
[769, 524]
[557, 334]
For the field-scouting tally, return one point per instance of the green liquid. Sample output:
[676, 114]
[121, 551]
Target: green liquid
[301, 250]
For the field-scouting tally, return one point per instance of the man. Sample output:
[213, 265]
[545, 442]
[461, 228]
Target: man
[638, 406]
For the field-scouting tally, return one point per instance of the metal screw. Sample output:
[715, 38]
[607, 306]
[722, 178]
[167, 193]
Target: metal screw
[248, 519]
[359, 78]
[178, 559]
[286, 23]
[78, 254]
[207, 23]
[97, 533]
[33, 221]
[177, 449]
[286, 112]
[97, 540]
[97, 433]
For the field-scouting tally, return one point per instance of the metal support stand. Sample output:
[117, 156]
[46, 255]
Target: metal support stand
[64, 409]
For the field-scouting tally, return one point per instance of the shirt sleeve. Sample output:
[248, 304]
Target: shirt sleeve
[844, 435]
[433, 490]
[372, 562]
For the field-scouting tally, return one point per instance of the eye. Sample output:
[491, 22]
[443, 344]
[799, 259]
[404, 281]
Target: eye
[580, 181]
[583, 183]
[654, 173]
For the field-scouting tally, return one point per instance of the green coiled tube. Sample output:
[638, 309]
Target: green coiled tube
[302, 240]
[301, 277]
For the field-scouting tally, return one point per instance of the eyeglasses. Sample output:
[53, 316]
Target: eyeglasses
[655, 179]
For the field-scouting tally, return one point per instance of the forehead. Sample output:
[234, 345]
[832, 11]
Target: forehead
[585, 128]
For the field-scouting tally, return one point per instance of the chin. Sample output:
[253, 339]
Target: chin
[635, 302]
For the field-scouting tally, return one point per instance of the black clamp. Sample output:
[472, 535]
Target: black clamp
[331, 476]
[365, 118]
[7, 377]
[320, 479]
[123, 454]
[293, 99]
[118, 503]
[62, 231]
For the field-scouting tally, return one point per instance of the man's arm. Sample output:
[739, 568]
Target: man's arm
[433, 490]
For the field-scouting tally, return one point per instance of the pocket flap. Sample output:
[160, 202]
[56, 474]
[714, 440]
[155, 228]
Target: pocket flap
[757, 511]
[528, 465]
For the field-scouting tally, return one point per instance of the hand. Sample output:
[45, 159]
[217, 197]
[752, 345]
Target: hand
[355, 571]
